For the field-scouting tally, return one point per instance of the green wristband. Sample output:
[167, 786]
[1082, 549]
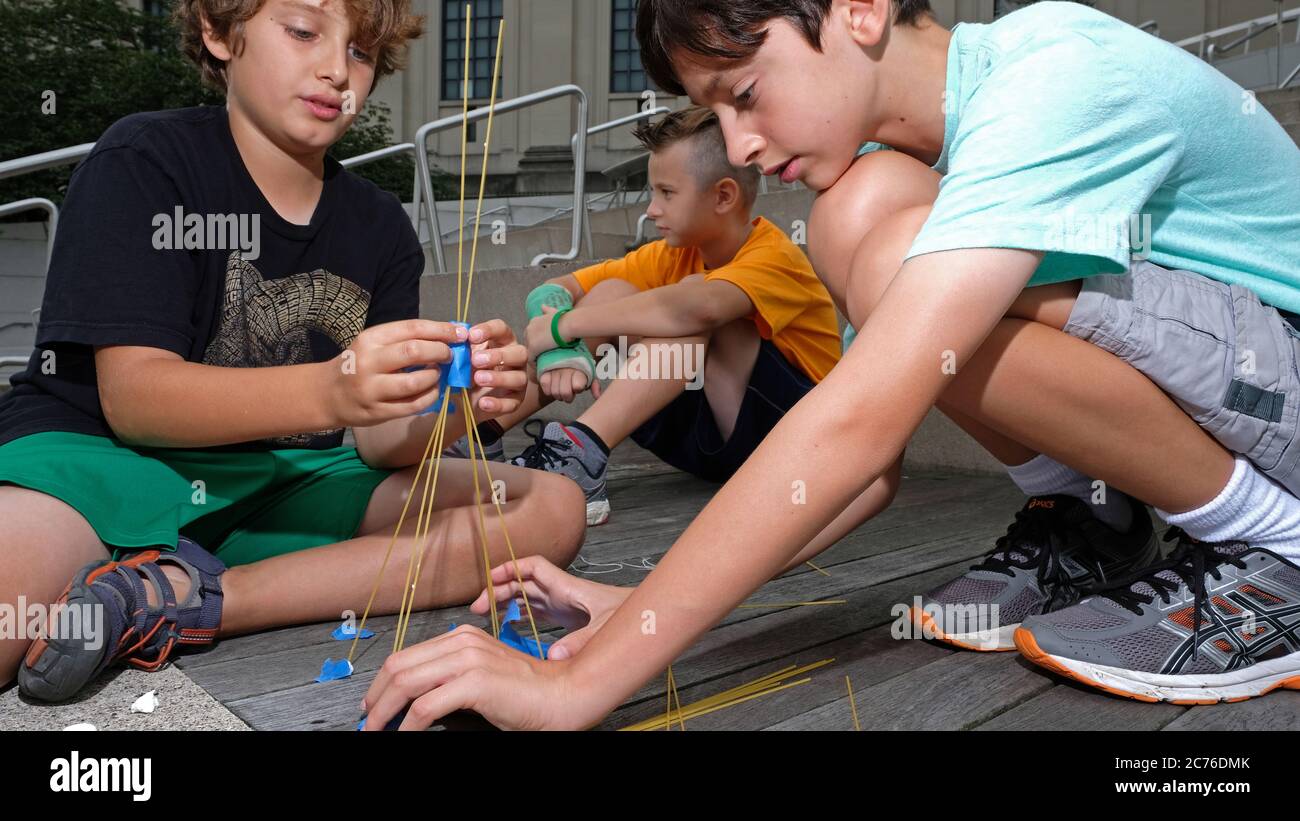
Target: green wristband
[555, 330]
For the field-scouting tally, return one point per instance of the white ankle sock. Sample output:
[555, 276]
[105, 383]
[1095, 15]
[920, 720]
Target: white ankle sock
[1043, 476]
[1251, 508]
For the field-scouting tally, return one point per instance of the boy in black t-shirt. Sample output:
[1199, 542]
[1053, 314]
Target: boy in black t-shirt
[223, 300]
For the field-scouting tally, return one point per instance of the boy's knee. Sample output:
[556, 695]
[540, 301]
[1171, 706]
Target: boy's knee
[876, 186]
[561, 503]
[608, 289]
[878, 258]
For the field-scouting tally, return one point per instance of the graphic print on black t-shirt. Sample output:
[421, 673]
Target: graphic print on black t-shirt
[266, 322]
[304, 298]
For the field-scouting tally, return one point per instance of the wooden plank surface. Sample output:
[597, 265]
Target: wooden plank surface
[936, 527]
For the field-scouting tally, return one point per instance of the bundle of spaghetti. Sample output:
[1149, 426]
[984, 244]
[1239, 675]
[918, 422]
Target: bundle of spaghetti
[428, 468]
[766, 685]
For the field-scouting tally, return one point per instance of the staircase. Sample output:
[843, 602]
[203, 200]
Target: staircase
[1284, 105]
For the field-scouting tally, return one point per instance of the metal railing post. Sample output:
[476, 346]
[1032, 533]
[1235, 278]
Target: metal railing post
[596, 129]
[504, 107]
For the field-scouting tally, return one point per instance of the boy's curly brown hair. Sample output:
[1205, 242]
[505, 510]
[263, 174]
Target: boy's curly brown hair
[382, 27]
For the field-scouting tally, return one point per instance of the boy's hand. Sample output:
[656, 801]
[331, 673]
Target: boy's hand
[500, 368]
[580, 606]
[467, 669]
[565, 383]
[367, 384]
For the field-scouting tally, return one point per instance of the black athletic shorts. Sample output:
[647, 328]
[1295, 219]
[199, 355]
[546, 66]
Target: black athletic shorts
[685, 435]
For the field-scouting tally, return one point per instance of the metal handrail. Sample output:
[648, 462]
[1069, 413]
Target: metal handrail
[1151, 26]
[640, 228]
[383, 154]
[1267, 22]
[504, 107]
[44, 160]
[612, 124]
[32, 204]
[596, 129]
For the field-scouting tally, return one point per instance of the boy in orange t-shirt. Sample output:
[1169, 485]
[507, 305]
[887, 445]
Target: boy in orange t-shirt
[718, 328]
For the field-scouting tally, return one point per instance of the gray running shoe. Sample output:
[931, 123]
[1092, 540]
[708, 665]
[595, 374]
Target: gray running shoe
[495, 452]
[1140, 637]
[557, 449]
[1050, 555]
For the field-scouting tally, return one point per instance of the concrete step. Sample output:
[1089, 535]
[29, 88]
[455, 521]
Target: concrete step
[1286, 113]
[1279, 96]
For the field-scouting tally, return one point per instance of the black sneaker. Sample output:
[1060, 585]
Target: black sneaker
[1053, 552]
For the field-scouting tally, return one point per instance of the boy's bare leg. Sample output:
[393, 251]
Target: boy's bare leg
[543, 514]
[45, 543]
[1033, 384]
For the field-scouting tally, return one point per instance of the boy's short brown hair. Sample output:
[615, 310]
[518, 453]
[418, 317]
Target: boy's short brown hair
[382, 27]
[731, 30]
[709, 162]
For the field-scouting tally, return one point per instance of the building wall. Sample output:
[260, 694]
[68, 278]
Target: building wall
[552, 42]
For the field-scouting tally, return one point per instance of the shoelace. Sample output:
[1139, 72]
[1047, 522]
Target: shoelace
[542, 452]
[1190, 561]
[1040, 536]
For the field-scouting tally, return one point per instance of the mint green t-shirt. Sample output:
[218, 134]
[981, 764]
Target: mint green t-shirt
[1070, 132]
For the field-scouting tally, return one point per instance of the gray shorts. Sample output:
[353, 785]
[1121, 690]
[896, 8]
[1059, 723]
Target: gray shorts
[1227, 359]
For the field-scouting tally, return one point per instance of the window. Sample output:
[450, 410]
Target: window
[155, 8]
[625, 71]
[483, 47]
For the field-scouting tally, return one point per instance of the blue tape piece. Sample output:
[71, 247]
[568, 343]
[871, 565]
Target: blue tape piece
[511, 638]
[456, 374]
[347, 632]
[333, 670]
[460, 374]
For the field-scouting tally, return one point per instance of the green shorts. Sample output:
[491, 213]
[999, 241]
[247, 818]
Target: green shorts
[243, 506]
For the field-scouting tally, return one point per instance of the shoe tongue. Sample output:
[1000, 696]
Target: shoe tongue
[1071, 510]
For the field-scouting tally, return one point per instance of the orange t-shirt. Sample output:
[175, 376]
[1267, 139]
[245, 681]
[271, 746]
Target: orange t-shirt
[791, 306]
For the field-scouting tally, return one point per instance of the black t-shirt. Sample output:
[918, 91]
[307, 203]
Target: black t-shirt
[166, 241]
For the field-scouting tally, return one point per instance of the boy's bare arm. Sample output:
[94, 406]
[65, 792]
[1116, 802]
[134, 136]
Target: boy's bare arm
[154, 398]
[569, 283]
[683, 309]
[837, 441]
